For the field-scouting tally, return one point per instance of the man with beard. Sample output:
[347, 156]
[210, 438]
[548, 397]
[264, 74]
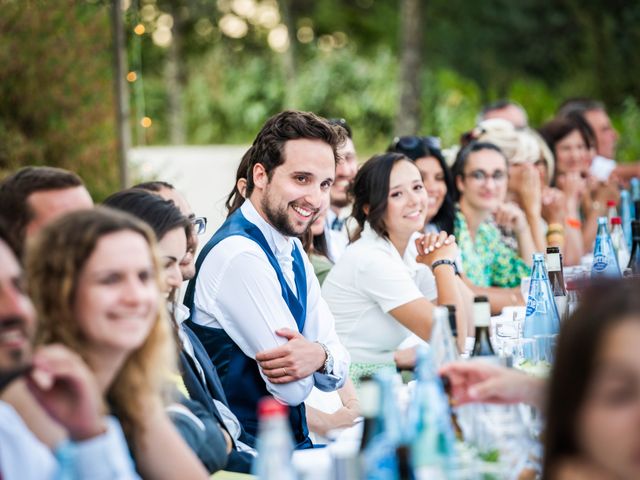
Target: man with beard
[255, 301]
[65, 388]
[336, 231]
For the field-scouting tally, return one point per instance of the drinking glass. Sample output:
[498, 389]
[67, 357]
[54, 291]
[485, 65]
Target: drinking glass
[525, 282]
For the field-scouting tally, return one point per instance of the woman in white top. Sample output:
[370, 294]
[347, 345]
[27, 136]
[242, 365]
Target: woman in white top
[373, 290]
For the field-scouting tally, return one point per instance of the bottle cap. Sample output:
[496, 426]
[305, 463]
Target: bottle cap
[269, 407]
[611, 203]
[553, 250]
[616, 221]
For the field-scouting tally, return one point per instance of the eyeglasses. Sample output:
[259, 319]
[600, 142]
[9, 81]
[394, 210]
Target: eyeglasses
[482, 176]
[200, 224]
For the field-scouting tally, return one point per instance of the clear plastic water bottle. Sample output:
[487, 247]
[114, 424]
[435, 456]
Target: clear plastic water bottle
[429, 421]
[626, 207]
[619, 242]
[274, 443]
[605, 262]
[542, 316]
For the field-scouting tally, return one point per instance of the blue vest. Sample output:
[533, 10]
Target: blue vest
[240, 374]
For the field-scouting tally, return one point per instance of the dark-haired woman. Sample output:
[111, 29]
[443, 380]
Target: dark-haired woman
[572, 141]
[481, 177]
[373, 290]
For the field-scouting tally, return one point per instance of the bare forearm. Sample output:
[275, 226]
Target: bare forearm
[537, 233]
[526, 245]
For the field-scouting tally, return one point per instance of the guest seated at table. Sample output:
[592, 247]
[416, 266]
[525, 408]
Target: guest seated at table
[593, 401]
[203, 430]
[571, 140]
[480, 173]
[95, 279]
[441, 210]
[371, 291]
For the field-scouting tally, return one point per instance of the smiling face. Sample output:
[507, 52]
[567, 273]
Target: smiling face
[609, 420]
[407, 201]
[298, 189]
[346, 170]
[433, 178]
[572, 154]
[171, 249]
[483, 185]
[116, 298]
[17, 315]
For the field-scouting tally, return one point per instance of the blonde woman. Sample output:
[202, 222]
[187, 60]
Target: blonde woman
[94, 277]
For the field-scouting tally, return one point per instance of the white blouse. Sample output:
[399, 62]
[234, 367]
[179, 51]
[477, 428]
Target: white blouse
[369, 280]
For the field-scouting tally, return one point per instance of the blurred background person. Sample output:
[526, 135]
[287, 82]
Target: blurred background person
[481, 177]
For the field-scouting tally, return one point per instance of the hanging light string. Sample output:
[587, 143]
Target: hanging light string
[135, 75]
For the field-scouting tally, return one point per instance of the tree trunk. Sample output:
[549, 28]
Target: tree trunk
[408, 115]
[288, 57]
[121, 91]
[175, 78]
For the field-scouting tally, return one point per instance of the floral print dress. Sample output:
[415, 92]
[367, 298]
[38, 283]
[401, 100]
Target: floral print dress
[488, 261]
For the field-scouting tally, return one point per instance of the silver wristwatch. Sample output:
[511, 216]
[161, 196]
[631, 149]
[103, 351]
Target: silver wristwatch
[327, 368]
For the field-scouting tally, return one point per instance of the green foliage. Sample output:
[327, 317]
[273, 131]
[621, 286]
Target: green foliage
[56, 100]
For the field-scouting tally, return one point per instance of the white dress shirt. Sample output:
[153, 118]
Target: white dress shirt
[238, 290]
[24, 457]
[371, 279]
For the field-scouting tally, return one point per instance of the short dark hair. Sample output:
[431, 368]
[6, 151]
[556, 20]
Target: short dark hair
[422, 147]
[463, 155]
[341, 122]
[579, 105]
[603, 306]
[4, 235]
[370, 192]
[160, 214]
[268, 146]
[16, 189]
[155, 186]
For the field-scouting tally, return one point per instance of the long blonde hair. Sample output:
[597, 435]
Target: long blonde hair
[54, 262]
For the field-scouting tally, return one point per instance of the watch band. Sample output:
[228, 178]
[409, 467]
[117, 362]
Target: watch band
[445, 261]
[327, 367]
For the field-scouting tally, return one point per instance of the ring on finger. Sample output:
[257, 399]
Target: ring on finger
[284, 372]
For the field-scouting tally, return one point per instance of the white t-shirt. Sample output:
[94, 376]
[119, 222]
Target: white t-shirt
[371, 279]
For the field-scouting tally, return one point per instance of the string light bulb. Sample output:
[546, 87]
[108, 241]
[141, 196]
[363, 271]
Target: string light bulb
[132, 77]
[146, 122]
[139, 29]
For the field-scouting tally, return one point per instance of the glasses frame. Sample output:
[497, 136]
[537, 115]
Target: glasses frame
[200, 225]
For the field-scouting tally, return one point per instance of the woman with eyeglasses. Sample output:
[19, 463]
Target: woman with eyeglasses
[480, 173]
[373, 289]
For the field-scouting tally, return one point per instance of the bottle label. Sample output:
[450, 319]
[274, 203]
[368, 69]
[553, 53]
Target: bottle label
[600, 263]
[531, 306]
